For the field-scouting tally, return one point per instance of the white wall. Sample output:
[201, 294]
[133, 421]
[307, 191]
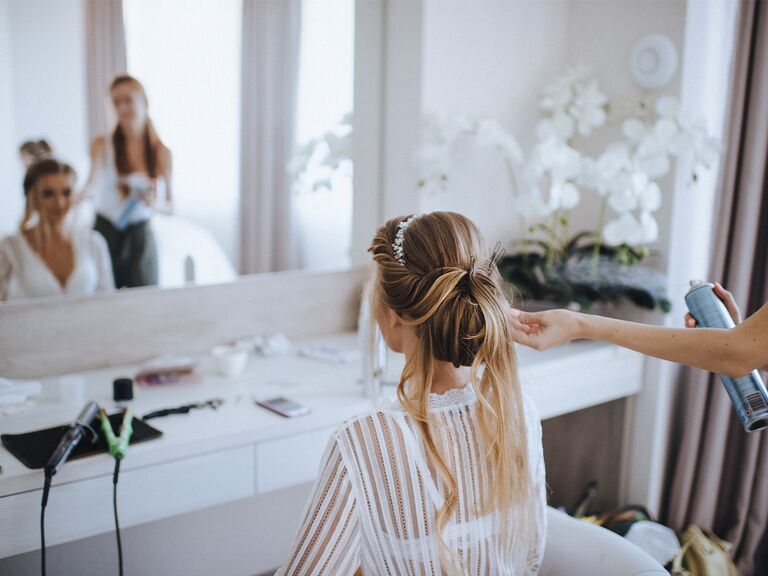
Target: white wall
[601, 35]
[11, 197]
[48, 77]
[489, 58]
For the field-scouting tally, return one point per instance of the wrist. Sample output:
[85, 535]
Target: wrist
[581, 326]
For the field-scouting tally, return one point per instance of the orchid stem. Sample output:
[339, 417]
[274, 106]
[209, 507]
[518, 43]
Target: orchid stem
[599, 241]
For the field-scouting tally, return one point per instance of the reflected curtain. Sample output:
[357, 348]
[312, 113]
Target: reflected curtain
[105, 57]
[271, 36]
[718, 474]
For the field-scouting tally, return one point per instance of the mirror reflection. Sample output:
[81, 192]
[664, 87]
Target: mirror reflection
[176, 142]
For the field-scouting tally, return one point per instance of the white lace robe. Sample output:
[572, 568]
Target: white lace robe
[374, 503]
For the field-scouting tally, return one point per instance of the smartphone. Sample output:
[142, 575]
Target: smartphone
[283, 406]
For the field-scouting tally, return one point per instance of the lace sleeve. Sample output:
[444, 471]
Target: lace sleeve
[328, 542]
[536, 552]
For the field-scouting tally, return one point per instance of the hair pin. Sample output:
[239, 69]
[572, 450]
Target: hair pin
[397, 246]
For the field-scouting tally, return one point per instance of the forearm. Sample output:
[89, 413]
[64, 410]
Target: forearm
[712, 349]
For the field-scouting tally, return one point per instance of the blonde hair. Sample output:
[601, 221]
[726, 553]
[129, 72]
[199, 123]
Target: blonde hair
[450, 290]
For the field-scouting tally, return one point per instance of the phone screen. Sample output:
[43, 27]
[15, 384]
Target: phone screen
[283, 406]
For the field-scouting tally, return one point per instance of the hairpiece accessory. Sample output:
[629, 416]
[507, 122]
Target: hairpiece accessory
[397, 246]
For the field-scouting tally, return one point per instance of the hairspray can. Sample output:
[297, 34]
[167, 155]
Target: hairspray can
[747, 393]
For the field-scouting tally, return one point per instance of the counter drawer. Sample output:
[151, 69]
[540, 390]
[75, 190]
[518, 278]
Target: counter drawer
[290, 461]
[84, 508]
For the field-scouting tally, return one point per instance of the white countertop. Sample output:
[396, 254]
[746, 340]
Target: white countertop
[331, 391]
[241, 451]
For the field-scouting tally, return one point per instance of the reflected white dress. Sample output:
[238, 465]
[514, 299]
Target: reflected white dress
[374, 503]
[24, 274]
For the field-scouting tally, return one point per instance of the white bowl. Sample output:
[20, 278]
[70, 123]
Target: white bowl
[230, 360]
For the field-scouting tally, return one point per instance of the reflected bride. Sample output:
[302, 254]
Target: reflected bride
[48, 257]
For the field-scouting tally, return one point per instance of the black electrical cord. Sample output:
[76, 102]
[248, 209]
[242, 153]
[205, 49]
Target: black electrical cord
[46, 489]
[117, 523]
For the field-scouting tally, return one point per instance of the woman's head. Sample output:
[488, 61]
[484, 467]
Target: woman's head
[131, 105]
[438, 297]
[129, 100]
[48, 187]
[433, 274]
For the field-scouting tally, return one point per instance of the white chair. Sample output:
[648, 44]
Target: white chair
[577, 548]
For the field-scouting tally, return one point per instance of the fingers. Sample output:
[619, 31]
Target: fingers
[514, 320]
[530, 318]
[690, 321]
[729, 301]
[722, 293]
[529, 340]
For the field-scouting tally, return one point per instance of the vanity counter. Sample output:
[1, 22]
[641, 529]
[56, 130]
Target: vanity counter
[210, 457]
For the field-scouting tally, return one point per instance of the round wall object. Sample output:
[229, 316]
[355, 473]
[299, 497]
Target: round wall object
[653, 61]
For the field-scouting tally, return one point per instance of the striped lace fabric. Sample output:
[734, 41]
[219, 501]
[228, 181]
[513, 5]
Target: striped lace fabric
[373, 506]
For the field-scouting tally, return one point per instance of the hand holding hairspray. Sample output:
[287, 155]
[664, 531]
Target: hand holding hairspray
[747, 393]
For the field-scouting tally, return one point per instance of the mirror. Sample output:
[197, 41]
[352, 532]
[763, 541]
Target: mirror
[253, 100]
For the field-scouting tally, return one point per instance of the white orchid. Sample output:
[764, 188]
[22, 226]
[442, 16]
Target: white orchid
[445, 130]
[627, 229]
[560, 126]
[563, 196]
[707, 151]
[588, 107]
[531, 206]
[634, 130]
[649, 198]
[622, 200]
[339, 149]
[556, 158]
[612, 170]
[316, 160]
[575, 103]
[491, 133]
[553, 177]
[558, 94]
[451, 127]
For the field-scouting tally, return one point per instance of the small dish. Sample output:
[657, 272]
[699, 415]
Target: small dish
[230, 360]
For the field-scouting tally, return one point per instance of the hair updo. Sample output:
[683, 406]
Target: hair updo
[45, 167]
[447, 285]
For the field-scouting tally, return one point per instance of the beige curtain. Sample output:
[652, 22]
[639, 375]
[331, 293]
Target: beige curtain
[271, 34]
[718, 474]
[105, 57]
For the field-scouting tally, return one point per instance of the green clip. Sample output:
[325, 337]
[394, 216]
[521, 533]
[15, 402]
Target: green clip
[118, 446]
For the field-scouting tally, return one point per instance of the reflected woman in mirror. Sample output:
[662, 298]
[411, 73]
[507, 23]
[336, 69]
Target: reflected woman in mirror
[48, 257]
[130, 179]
